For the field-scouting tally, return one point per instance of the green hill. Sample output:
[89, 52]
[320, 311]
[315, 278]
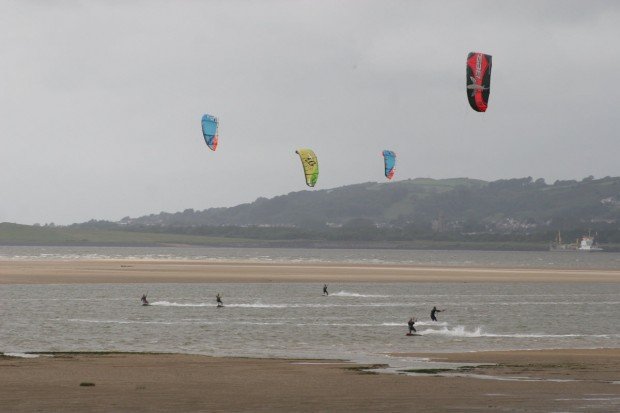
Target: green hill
[420, 213]
[449, 205]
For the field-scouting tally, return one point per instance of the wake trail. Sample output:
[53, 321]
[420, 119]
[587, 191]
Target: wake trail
[348, 294]
[461, 331]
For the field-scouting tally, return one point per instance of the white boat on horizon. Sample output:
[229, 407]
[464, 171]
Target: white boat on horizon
[587, 244]
[584, 244]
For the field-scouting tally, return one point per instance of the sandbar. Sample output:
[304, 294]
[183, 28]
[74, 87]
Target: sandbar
[184, 271]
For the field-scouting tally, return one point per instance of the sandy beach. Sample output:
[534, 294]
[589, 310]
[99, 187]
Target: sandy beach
[566, 380]
[161, 271]
[541, 380]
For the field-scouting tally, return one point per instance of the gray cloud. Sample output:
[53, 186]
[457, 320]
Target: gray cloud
[100, 102]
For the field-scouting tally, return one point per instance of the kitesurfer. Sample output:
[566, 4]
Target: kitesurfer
[144, 300]
[410, 323]
[433, 311]
[218, 297]
[325, 289]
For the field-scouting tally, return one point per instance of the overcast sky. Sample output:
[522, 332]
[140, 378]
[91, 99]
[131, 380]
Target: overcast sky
[100, 101]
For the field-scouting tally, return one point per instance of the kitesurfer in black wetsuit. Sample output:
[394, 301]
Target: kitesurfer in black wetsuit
[218, 297]
[144, 300]
[325, 289]
[433, 311]
[411, 322]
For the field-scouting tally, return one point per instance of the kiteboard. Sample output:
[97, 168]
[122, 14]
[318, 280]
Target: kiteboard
[413, 334]
[145, 304]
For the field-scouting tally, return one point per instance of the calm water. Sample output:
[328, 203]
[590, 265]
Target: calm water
[295, 320]
[497, 259]
[356, 321]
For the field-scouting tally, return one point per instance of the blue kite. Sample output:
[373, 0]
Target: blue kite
[389, 159]
[210, 127]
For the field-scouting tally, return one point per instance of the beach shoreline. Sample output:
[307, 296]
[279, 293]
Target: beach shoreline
[542, 380]
[531, 380]
[190, 271]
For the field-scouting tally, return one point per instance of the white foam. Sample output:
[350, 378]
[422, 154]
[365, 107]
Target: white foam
[169, 304]
[22, 355]
[458, 331]
[348, 294]
[260, 305]
[461, 331]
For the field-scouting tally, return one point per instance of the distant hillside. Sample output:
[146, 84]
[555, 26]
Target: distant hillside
[459, 213]
[379, 202]
[449, 205]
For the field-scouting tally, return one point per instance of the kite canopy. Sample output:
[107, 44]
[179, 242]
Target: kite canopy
[478, 80]
[310, 164]
[210, 126]
[389, 159]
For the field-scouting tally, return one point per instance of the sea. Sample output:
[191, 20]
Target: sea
[362, 322]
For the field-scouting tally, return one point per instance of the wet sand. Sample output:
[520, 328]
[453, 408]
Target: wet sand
[588, 364]
[140, 271]
[190, 383]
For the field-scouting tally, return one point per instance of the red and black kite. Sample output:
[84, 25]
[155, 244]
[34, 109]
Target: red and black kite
[478, 80]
